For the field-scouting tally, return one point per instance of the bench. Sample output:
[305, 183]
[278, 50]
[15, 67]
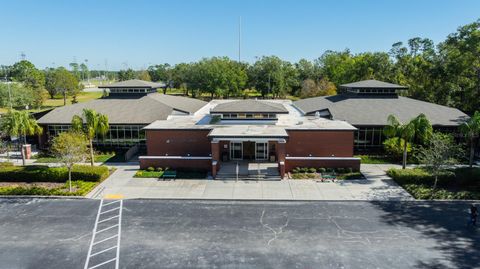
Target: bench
[331, 177]
[169, 174]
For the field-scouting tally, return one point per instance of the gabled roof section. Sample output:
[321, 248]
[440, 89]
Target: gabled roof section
[180, 103]
[134, 83]
[373, 111]
[372, 84]
[144, 110]
[250, 106]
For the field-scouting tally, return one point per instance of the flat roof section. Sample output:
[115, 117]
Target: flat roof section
[134, 83]
[250, 106]
[248, 131]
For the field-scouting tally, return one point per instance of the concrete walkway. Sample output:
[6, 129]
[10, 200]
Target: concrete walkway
[377, 186]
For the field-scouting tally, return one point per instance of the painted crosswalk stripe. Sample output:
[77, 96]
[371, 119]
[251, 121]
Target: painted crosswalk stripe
[108, 234]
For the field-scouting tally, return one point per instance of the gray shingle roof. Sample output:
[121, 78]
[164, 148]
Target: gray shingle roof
[375, 110]
[371, 84]
[134, 83]
[144, 110]
[249, 106]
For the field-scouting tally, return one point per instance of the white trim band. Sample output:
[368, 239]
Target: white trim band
[174, 158]
[324, 158]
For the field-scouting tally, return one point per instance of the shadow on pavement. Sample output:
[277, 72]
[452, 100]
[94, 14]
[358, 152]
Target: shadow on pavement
[446, 222]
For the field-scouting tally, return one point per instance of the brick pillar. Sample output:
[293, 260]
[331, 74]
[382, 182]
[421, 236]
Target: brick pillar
[281, 157]
[215, 157]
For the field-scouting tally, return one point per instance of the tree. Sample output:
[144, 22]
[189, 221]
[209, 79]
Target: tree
[19, 95]
[440, 153]
[144, 75]
[471, 130]
[126, 74]
[20, 124]
[218, 76]
[84, 71]
[61, 81]
[70, 148]
[323, 87]
[95, 124]
[272, 76]
[32, 78]
[418, 129]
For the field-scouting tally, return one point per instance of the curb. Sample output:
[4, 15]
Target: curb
[40, 197]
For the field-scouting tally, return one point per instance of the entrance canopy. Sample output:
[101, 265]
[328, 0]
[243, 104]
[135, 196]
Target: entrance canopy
[248, 132]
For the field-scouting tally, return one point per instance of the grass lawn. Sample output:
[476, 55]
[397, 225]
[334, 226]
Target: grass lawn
[460, 183]
[371, 159]
[82, 97]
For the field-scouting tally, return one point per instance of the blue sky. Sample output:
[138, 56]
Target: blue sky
[139, 33]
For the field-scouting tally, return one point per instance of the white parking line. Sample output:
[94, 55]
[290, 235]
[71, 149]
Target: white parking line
[107, 231]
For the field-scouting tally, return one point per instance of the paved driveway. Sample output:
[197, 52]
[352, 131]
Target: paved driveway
[377, 186]
[49, 233]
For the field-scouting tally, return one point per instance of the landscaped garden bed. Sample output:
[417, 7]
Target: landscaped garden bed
[158, 172]
[325, 173]
[459, 183]
[44, 180]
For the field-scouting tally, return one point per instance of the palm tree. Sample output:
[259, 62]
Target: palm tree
[21, 124]
[471, 129]
[418, 129]
[95, 124]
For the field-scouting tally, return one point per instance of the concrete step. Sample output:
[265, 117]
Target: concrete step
[248, 177]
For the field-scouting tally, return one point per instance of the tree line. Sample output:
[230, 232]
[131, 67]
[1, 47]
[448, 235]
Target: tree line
[446, 73]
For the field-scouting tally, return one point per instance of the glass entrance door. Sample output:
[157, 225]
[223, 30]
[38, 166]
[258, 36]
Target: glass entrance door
[261, 151]
[236, 150]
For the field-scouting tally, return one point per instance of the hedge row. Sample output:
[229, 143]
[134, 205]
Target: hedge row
[36, 173]
[419, 176]
[460, 177]
[340, 170]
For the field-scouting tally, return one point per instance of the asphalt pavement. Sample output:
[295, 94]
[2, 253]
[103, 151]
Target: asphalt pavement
[50, 233]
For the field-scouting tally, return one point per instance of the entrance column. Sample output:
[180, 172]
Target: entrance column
[281, 157]
[215, 157]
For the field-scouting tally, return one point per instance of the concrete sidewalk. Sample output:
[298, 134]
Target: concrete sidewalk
[377, 186]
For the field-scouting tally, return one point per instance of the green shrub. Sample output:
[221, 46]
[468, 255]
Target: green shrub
[159, 169]
[37, 173]
[418, 176]
[321, 170]
[394, 148]
[296, 170]
[330, 170]
[150, 169]
[6, 164]
[148, 174]
[349, 170]
[341, 170]
[312, 170]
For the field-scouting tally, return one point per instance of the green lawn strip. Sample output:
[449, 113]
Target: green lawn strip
[370, 159]
[457, 184]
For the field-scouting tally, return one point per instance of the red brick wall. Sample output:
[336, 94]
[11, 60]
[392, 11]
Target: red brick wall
[319, 143]
[178, 142]
[205, 165]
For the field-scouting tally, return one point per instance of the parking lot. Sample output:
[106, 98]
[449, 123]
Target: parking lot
[48, 233]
